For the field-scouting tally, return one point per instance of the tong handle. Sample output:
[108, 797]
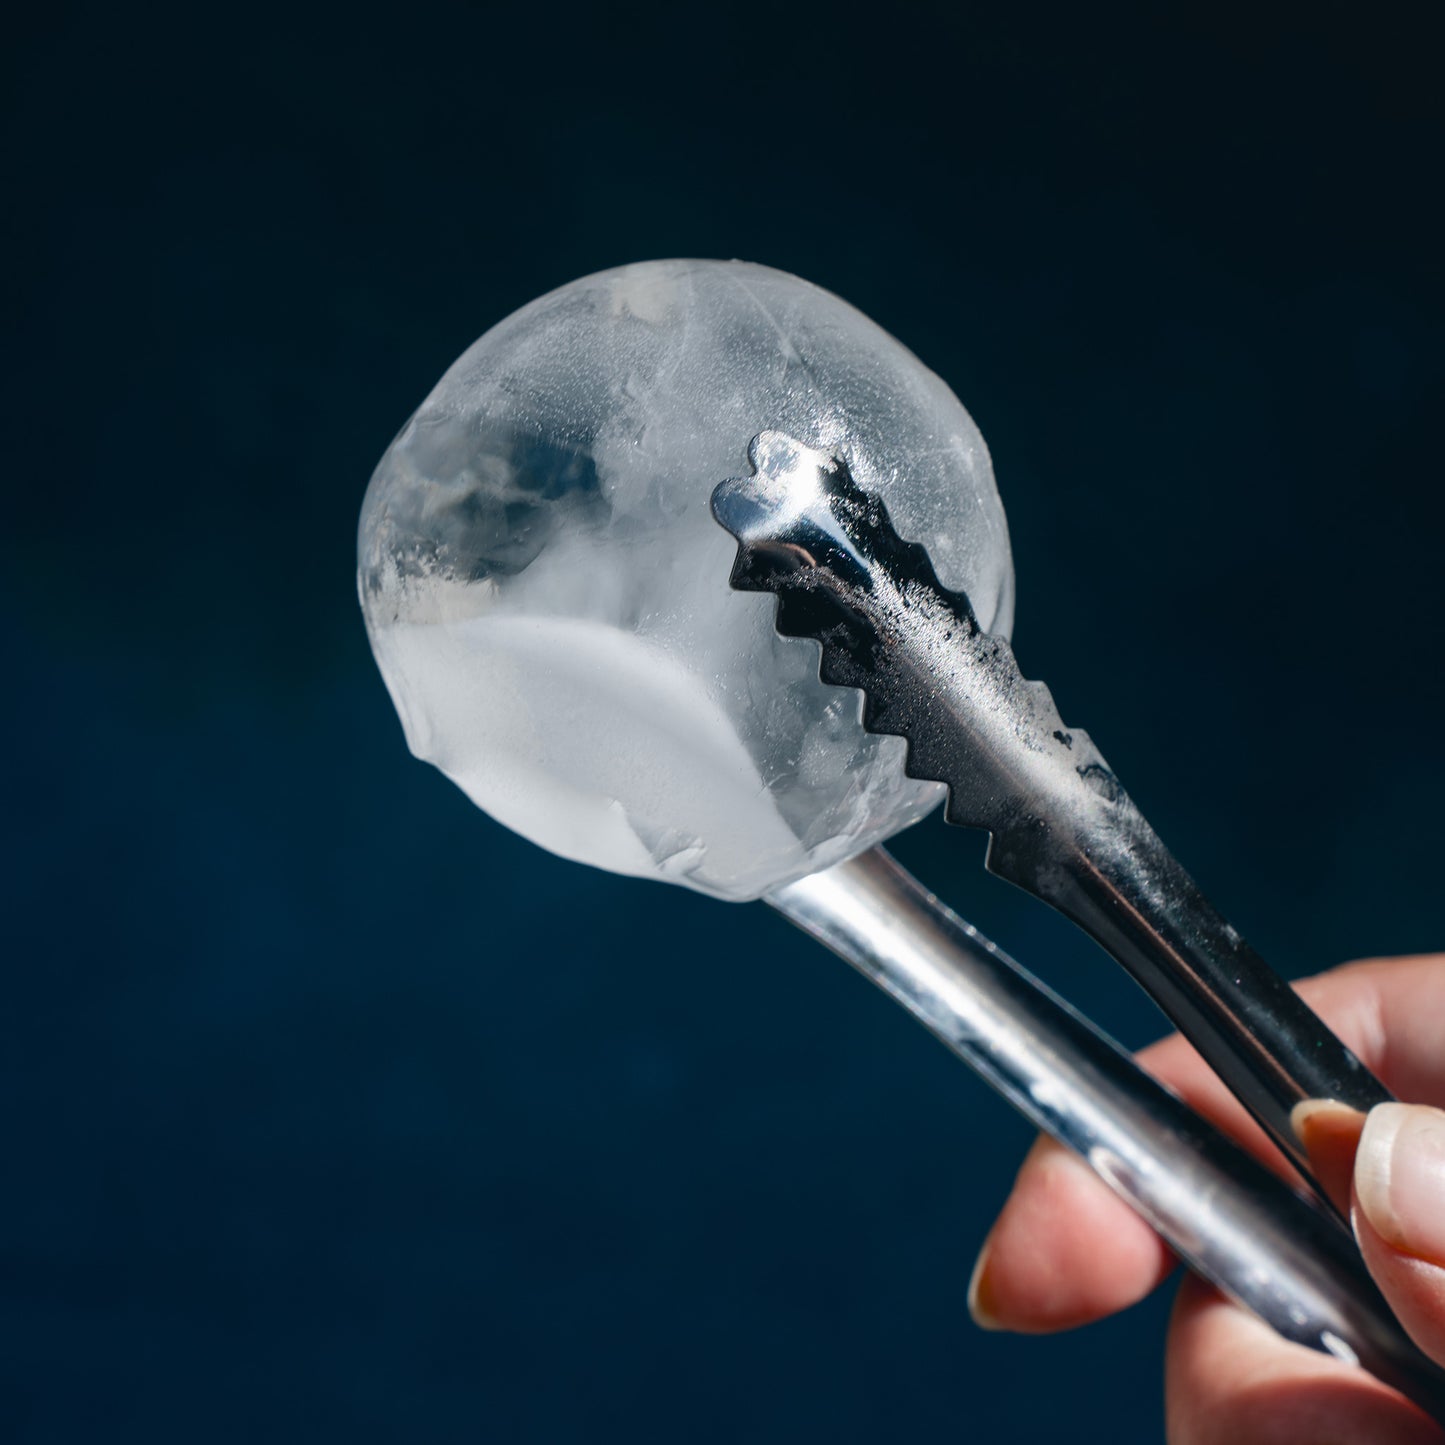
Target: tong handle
[1226, 1215]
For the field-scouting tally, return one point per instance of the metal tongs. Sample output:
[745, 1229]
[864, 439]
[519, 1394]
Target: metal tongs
[1061, 827]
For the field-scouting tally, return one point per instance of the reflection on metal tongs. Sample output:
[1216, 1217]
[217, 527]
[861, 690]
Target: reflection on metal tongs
[1062, 828]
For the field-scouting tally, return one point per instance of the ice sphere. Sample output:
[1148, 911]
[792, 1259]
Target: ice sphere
[547, 593]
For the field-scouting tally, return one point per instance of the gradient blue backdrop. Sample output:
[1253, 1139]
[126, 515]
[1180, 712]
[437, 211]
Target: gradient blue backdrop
[331, 1111]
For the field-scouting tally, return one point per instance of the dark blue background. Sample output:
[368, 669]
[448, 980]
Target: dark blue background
[333, 1111]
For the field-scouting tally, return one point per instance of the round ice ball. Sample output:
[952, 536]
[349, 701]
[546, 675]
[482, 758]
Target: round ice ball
[547, 593]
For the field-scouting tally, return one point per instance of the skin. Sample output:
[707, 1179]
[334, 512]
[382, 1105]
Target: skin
[1066, 1251]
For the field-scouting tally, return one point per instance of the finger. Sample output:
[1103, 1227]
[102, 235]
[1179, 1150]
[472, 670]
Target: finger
[1399, 1215]
[1330, 1133]
[1034, 1277]
[1230, 1380]
[1389, 1011]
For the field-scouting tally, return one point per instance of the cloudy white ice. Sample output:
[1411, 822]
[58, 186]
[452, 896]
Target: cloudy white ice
[547, 592]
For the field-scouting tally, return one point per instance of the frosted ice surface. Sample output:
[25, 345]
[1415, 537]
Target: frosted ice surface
[547, 593]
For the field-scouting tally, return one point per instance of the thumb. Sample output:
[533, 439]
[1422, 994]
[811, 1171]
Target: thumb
[1399, 1215]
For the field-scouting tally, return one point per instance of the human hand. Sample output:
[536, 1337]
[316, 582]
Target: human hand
[1066, 1250]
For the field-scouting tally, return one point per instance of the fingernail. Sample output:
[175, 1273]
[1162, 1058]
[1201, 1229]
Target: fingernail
[1400, 1178]
[1310, 1117]
[1330, 1132]
[980, 1295]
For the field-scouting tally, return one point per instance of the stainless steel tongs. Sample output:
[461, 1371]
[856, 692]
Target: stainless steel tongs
[1063, 828]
